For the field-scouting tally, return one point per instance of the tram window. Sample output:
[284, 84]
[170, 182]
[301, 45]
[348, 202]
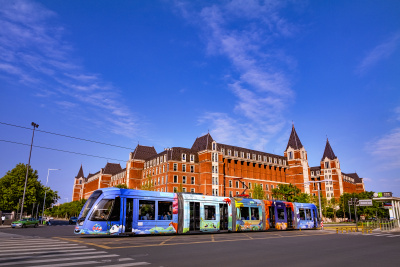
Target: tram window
[244, 213]
[146, 210]
[308, 214]
[302, 214]
[102, 210]
[254, 214]
[281, 214]
[164, 210]
[89, 203]
[115, 213]
[209, 212]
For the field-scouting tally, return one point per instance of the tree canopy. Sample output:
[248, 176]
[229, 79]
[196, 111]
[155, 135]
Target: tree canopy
[289, 192]
[67, 210]
[12, 189]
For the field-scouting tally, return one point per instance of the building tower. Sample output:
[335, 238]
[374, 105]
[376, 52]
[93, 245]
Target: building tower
[331, 173]
[298, 172]
[78, 185]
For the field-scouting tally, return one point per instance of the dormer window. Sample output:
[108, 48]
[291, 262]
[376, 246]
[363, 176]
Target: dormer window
[191, 158]
[259, 157]
[236, 153]
[229, 152]
[290, 154]
[254, 156]
[242, 154]
[248, 155]
[214, 146]
[270, 160]
[183, 157]
[275, 161]
[326, 164]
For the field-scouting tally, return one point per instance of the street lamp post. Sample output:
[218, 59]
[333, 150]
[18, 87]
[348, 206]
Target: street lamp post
[45, 191]
[27, 168]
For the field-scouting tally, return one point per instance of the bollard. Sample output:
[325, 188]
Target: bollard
[337, 230]
[342, 230]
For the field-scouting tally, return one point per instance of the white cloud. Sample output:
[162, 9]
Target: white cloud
[33, 52]
[380, 52]
[244, 32]
[387, 150]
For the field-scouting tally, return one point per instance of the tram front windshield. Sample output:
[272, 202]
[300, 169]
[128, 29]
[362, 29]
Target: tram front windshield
[89, 203]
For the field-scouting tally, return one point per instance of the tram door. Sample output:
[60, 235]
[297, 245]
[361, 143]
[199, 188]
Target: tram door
[272, 216]
[223, 216]
[128, 215]
[194, 216]
[289, 216]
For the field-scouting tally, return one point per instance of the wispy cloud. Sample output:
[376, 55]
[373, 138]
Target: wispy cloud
[380, 52]
[246, 32]
[33, 52]
[386, 149]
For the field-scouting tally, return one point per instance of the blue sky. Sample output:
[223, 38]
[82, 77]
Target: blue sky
[161, 73]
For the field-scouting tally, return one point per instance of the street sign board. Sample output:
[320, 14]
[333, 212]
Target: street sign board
[365, 202]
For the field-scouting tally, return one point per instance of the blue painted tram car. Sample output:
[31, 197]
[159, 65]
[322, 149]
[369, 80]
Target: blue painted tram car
[114, 211]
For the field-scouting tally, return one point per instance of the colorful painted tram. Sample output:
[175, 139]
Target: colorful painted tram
[114, 211]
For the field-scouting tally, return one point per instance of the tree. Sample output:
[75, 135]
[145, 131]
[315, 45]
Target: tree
[123, 186]
[258, 192]
[67, 210]
[148, 184]
[12, 189]
[285, 192]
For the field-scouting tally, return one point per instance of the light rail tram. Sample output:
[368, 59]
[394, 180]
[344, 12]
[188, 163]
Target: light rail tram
[115, 211]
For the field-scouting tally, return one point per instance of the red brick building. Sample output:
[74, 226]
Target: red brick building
[213, 168]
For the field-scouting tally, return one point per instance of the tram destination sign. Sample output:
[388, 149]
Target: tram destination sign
[365, 202]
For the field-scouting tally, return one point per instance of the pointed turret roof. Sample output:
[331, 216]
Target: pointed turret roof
[144, 152]
[80, 173]
[328, 153]
[202, 143]
[294, 140]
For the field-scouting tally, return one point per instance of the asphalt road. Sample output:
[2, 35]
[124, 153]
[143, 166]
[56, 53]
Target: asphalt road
[278, 248]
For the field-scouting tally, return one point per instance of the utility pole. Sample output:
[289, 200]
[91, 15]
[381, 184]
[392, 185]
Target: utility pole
[27, 168]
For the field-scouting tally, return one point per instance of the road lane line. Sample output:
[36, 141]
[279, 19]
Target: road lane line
[49, 256]
[45, 252]
[129, 264]
[162, 243]
[46, 246]
[42, 249]
[61, 259]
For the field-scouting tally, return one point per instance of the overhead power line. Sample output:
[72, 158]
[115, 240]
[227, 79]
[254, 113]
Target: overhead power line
[68, 136]
[60, 150]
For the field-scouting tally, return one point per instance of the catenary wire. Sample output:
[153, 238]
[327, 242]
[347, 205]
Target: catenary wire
[60, 150]
[68, 136]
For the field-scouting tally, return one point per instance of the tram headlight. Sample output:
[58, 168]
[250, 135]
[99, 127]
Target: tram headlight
[80, 223]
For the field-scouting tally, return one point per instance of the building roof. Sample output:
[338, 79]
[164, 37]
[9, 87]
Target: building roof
[80, 173]
[143, 152]
[328, 153]
[294, 140]
[317, 168]
[355, 176]
[112, 168]
[246, 150]
[202, 143]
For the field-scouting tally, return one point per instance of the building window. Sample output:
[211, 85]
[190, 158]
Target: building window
[184, 167]
[237, 193]
[237, 184]
[230, 183]
[270, 160]
[275, 161]
[184, 179]
[290, 155]
[191, 158]
[254, 156]
[248, 155]
[326, 165]
[236, 153]
[192, 178]
[249, 185]
[192, 190]
[192, 168]
[175, 178]
[175, 189]
[242, 154]
[184, 189]
[266, 187]
[175, 167]
[214, 146]
[183, 157]
[162, 180]
[261, 186]
[272, 186]
[259, 157]
[230, 193]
